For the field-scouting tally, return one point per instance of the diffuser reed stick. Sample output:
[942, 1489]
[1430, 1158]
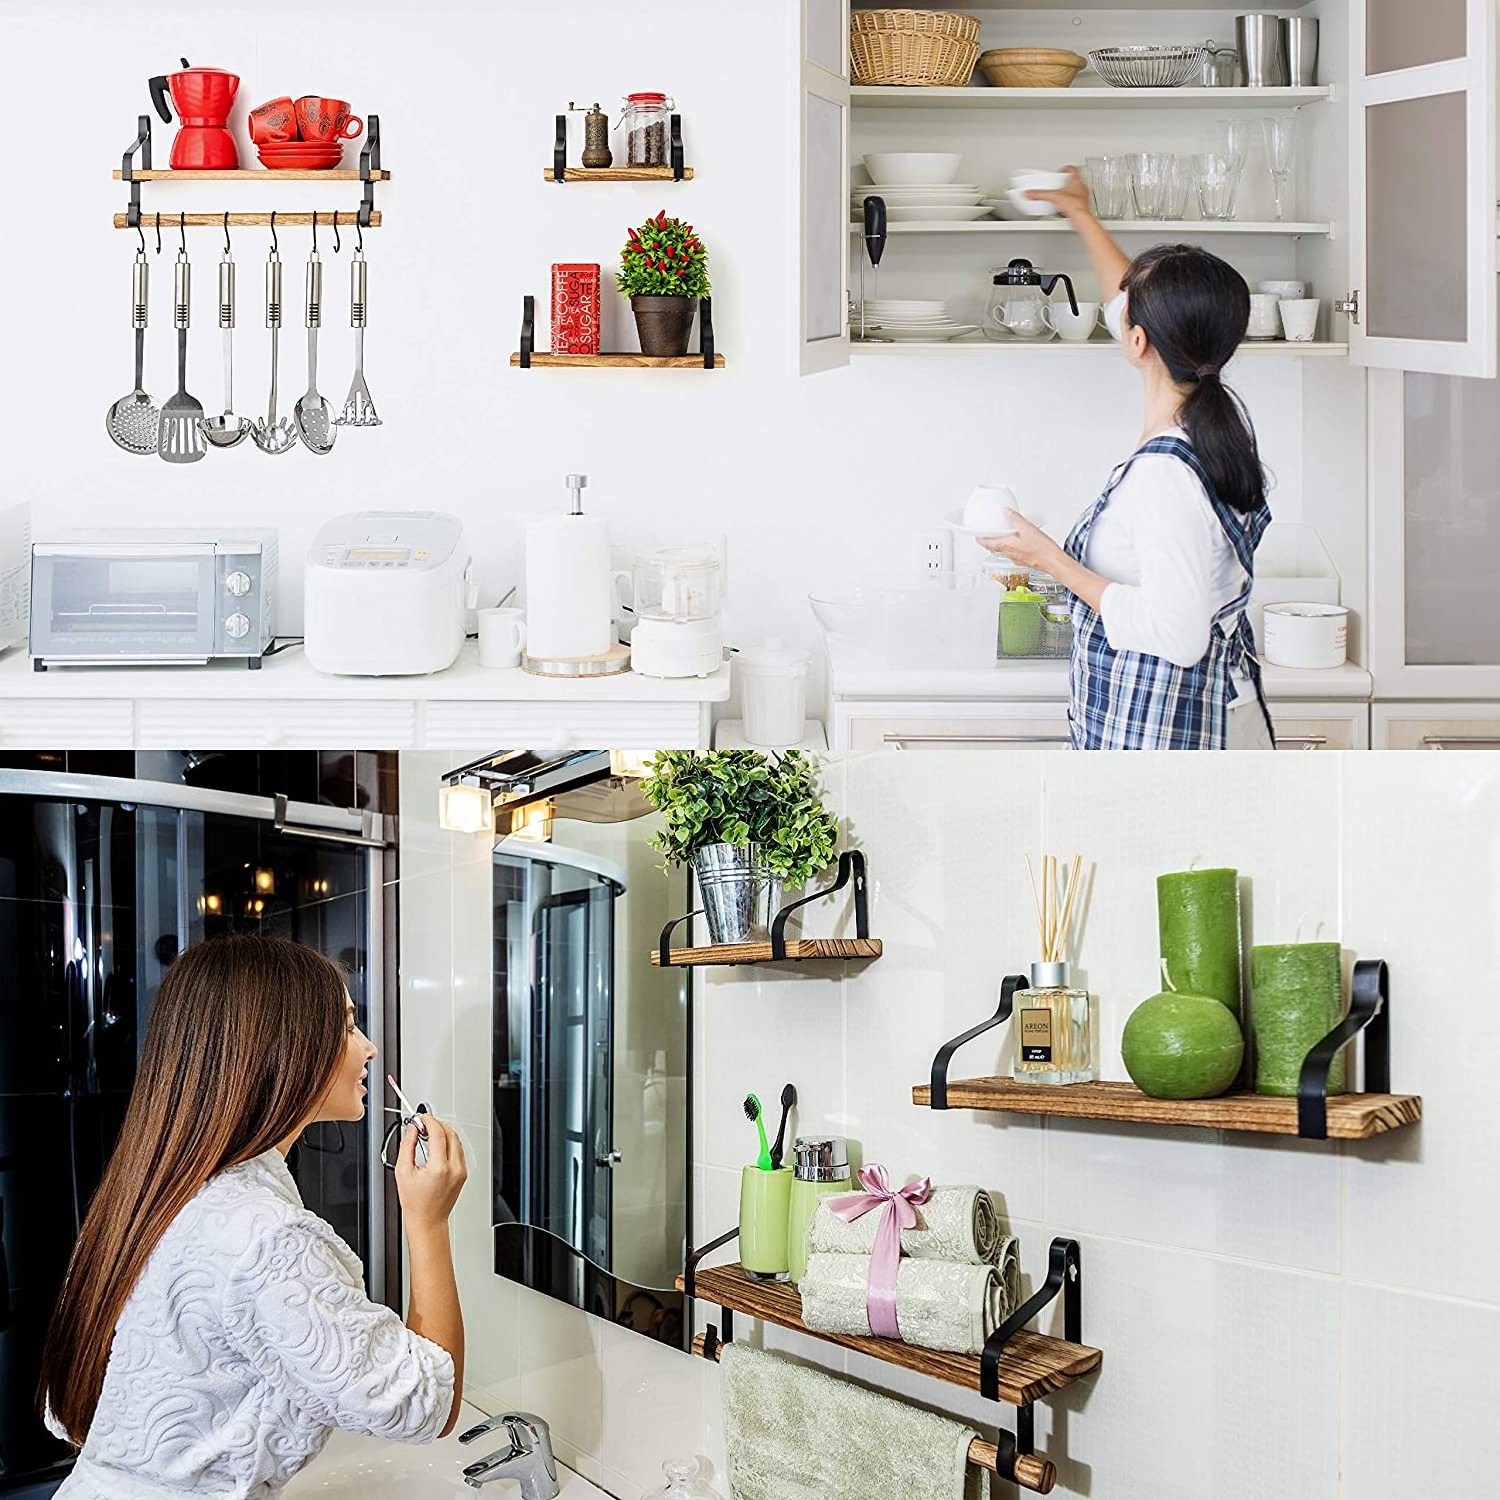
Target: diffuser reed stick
[1055, 904]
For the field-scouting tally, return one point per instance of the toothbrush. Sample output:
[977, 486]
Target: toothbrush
[788, 1099]
[753, 1113]
[412, 1110]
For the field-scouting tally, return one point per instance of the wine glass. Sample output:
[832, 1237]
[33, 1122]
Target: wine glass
[1280, 133]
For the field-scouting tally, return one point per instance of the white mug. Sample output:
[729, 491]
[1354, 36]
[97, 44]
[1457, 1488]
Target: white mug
[1265, 321]
[1283, 289]
[1299, 317]
[1075, 328]
[502, 636]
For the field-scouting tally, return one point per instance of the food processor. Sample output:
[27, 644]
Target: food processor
[677, 593]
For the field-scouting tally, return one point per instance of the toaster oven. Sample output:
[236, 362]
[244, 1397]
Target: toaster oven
[152, 597]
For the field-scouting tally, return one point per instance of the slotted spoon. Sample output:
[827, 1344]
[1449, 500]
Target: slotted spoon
[359, 409]
[313, 415]
[135, 419]
[270, 434]
[179, 439]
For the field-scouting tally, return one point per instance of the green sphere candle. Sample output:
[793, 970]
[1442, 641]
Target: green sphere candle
[1182, 1047]
[1296, 999]
[1198, 918]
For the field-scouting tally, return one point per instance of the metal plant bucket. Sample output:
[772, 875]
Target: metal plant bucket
[740, 895]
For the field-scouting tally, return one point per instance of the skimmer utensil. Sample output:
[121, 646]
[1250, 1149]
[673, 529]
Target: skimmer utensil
[312, 413]
[272, 434]
[135, 419]
[228, 430]
[179, 439]
[359, 409]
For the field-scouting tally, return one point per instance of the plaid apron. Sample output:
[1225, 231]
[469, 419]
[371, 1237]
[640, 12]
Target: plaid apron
[1127, 700]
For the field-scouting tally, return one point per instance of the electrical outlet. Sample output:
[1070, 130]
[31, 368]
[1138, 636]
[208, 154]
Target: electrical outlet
[934, 550]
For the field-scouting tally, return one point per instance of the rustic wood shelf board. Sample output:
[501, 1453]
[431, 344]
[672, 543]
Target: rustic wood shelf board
[1351, 1117]
[243, 174]
[1033, 1365]
[618, 361]
[617, 174]
[797, 949]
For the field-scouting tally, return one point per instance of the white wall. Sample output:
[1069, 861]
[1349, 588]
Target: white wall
[1310, 1321]
[821, 482]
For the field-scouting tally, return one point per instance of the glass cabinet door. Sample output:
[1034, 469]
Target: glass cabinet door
[823, 209]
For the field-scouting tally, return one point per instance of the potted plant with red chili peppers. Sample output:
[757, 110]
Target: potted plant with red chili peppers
[663, 270]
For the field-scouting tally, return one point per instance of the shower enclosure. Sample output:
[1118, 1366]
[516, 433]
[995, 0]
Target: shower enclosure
[103, 881]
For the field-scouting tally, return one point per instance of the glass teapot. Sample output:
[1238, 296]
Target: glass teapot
[1019, 302]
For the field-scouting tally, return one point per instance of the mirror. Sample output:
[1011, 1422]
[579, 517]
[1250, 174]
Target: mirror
[591, 1046]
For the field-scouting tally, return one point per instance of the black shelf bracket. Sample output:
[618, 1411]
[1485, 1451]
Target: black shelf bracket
[712, 1338]
[851, 867]
[141, 144]
[664, 949]
[1008, 987]
[369, 161]
[1065, 1275]
[528, 330]
[1370, 1013]
[560, 151]
[677, 158]
[706, 331]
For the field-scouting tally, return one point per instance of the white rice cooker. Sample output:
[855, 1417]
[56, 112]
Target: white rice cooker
[387, 593]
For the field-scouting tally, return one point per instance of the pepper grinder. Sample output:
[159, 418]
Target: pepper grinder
[596, 152]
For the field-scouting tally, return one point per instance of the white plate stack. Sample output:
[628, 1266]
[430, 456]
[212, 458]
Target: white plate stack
[910, 322]
[919, 188]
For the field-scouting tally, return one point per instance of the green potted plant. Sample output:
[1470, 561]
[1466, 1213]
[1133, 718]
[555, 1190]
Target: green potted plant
[748, 824]
[664, 271]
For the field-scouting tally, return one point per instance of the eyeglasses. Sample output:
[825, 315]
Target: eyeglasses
[390, 1150]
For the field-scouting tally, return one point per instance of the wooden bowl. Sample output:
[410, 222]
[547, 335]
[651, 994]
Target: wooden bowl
[1031, 67]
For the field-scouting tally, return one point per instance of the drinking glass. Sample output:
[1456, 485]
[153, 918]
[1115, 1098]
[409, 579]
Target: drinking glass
[1232, 136]
[1217, 174]
[1151, 178]
[1280, 133]
[1109, 180]
[1179, 188]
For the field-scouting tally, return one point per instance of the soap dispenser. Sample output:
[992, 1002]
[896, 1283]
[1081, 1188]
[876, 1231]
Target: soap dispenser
[820, 1168]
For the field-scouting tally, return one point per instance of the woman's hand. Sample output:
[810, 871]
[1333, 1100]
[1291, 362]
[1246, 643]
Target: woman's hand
[1028, 545]
[428, 1193]
[1073, 201]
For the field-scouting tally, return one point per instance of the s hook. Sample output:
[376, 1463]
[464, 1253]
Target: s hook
[359, 230]
[182, 231]
[142, 234]
[315, 232]
[227, 252]
[338, 244]
[158, 231]
[275, 248]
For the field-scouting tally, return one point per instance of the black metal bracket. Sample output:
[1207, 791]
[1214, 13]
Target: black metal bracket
[1008, 987]
[706, 331]
[664, 950]
[528, 330]
[1065, 1275]
[560, 151]
[369, 161]
[712, 1338]
[141, 143]
[677, 159]
[1370, 1013]
[851, 867]
[696, 1257]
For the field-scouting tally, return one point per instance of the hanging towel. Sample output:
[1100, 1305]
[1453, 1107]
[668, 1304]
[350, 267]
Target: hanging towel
[796, 1433]
[956, 1223]
[939, 1304]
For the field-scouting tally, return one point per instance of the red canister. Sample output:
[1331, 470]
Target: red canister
[575, 309]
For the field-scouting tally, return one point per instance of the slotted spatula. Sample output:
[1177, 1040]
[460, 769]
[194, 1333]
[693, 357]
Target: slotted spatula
[134, 420]
[312, 413]
[179, 439]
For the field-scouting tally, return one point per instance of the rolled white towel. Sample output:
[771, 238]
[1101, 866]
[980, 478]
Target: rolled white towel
[958, 1224]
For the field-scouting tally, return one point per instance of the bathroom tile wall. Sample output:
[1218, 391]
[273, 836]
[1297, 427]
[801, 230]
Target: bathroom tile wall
[1314, 1322]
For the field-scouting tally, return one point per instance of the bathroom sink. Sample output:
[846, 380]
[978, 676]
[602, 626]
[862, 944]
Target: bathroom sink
[374, 1470]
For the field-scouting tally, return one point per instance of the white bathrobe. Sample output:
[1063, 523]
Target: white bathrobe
[247, 1340]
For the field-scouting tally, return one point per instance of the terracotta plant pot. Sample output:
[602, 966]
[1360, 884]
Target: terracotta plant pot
[664, 324]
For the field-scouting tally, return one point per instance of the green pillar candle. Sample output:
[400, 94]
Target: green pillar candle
[1296, 999]
[1198, 917]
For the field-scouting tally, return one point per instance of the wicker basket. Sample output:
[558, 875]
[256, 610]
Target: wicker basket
[913, 48]
[1031, 67]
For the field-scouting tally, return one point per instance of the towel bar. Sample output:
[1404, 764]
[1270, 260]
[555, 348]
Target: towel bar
[1029, 1470]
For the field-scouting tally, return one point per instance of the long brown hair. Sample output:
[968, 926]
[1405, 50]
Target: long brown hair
[244, 1043]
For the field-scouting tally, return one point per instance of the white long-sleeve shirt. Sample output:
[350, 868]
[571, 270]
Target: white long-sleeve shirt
[246, 1341]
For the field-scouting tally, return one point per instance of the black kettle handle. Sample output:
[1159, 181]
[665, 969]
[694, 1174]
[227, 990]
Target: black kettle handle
[158, 86]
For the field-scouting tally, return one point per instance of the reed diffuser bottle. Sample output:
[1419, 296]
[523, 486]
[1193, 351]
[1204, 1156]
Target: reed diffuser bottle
[1053, 1039]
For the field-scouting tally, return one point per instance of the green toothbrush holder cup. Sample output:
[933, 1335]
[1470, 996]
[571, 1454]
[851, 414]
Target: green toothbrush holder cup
[765, 1201]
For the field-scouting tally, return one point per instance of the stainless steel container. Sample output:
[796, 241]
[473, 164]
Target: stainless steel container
[1300, 42]
[740, 895]
[1261, 43]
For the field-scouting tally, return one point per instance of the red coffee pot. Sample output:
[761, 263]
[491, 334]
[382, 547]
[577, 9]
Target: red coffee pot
[204, 97]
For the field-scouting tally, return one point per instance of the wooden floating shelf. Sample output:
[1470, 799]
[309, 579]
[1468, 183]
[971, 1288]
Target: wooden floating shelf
[249, 221]
[980, 348]
[1033, 1365]
[797, 950]
[617, 174]
[1183, 229]
[615, 361]
[241, 174]
[1351, 1117]
[901, 97]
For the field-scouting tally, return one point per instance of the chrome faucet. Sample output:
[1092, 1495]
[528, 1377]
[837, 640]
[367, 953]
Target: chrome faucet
[528, 1460]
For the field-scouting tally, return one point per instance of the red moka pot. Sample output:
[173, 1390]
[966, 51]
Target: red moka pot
[203, 98]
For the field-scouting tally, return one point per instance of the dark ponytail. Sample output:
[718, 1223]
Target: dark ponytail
[1194, 310]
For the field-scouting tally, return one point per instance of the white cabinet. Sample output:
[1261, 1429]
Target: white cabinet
[1437, 726]
[823, 123]
[1322, 726]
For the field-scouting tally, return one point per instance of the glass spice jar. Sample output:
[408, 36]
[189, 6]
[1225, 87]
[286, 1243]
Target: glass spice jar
[645, 123]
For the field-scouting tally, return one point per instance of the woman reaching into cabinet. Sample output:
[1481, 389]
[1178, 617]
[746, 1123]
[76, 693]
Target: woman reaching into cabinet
[1161, 564]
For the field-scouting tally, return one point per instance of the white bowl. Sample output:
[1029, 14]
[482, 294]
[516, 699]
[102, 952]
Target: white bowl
[902, 168]
[987, 510]
[1030, 208]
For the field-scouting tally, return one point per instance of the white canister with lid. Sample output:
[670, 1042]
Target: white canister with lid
[1314, 637]
[773, 693]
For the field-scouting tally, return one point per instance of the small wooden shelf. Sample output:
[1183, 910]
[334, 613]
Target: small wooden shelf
[617, 174]
[1032, 1367]
[1095, 97]
[797, 950]
[242, 174]
[620, 361]
[1351, 1117]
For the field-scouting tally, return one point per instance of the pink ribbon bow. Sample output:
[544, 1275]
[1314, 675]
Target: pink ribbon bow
[900, 1213]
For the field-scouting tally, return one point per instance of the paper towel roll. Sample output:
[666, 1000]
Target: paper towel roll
[568, 587]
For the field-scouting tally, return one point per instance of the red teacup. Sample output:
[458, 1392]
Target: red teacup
[275, 120]
[326, 119]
